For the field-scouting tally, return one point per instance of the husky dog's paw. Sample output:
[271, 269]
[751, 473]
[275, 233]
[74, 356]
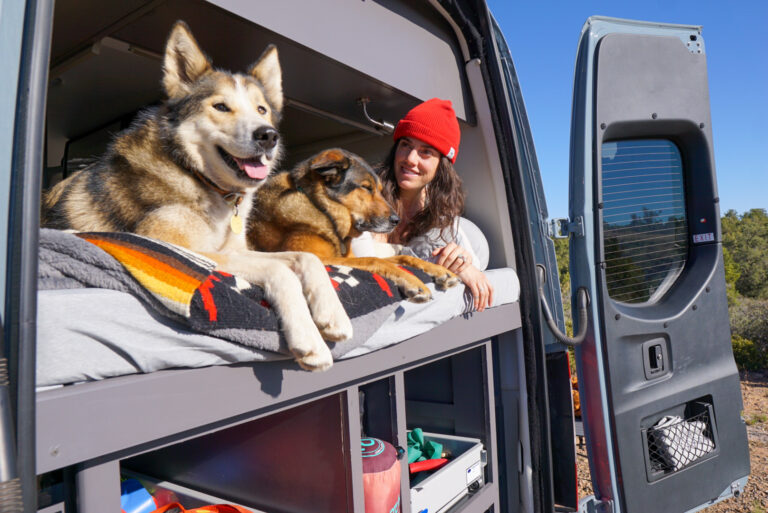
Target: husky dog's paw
[324, 304]
[336, 329]
[316, 361]
[446, 281]
[309, 348]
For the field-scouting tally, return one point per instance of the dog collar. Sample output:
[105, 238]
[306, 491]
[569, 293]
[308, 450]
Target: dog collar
[232, 197]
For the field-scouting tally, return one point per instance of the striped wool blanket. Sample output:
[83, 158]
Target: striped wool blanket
[185, 287]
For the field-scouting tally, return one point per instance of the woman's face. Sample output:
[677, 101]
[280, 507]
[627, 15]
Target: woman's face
[415, 164]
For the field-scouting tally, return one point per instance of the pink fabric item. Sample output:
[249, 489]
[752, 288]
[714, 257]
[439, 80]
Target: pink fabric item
[381, 476]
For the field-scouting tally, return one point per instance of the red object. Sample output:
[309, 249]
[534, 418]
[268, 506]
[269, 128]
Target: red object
[382, 284]
[381, 476]
[208, 302]
[216, 508]
[421, 466]
[435, 123]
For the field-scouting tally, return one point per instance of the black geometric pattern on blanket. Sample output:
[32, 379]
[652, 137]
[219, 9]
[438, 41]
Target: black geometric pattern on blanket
[222, 301]
[184, 286]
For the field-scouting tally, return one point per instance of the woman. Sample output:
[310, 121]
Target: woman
[421, 183]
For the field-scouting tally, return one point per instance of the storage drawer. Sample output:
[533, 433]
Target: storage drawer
[435, 492]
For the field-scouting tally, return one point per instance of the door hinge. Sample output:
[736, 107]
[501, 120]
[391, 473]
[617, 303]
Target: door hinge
[590, 504]
[561, 227]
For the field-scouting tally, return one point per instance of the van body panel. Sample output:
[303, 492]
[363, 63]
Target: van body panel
[20, 312]
[657, 375]
[11, 27]
[526, 200]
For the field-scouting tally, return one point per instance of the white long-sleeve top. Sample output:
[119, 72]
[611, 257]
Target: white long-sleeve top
[463, 232]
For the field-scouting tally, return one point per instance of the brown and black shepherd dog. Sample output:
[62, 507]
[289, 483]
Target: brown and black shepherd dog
[185, 172]
[321, 205]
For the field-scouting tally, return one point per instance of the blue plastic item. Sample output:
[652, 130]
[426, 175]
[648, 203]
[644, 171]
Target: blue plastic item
[134, 498]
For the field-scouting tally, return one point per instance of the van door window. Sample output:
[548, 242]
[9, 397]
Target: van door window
[645, 229]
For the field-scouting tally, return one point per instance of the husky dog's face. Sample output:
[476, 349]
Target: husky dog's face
[224, 123]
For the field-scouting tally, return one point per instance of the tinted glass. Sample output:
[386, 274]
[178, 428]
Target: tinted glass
[645, 230]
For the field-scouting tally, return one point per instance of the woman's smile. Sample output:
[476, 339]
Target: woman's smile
[415, 164]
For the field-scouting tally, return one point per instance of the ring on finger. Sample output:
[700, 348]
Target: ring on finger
[462, 257]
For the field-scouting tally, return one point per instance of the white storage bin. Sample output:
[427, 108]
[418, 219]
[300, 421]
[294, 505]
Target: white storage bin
[435, 492]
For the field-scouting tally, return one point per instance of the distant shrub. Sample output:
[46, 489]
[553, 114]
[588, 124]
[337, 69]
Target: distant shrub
[749, 319]
[748, 355]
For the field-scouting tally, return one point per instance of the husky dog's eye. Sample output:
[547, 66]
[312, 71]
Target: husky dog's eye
[222, 107]
[368, 187]
[262, 109]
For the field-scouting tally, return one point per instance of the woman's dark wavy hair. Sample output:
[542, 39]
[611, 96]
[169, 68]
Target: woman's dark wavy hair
[445, 199]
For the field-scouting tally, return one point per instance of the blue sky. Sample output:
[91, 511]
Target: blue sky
[542, 36]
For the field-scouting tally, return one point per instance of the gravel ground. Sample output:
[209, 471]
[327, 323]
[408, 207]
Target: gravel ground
[754, 390]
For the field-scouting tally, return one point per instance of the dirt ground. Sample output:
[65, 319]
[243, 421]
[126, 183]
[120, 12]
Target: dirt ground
[754, 390]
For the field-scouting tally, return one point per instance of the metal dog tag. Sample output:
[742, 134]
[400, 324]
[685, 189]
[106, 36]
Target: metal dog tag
[236, 224]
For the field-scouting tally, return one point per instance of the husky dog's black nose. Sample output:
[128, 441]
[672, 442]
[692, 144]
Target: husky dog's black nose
[266, 137]
[394, 219]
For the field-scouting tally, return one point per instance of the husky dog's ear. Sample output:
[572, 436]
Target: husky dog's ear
[267, 71]
[184, 62]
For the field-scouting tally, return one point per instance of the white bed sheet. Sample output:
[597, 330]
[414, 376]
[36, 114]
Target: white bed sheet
[91, 334]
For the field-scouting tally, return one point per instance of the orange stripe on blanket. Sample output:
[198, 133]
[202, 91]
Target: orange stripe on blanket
[178, 261]
[163, 277]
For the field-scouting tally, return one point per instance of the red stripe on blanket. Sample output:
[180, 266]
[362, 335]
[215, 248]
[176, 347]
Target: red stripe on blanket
[208, 302]
[383, 284]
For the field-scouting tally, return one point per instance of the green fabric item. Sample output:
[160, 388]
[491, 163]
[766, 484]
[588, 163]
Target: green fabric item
[420, 449]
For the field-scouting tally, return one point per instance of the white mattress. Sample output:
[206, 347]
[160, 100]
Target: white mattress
[90, 334]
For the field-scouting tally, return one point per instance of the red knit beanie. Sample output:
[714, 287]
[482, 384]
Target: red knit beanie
[435, 123]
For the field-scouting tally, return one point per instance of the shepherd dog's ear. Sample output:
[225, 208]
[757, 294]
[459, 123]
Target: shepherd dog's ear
[267, 71]
[331, 165]
[184, 63]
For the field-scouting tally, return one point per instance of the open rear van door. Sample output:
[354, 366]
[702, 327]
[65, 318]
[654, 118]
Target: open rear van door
[658, 380]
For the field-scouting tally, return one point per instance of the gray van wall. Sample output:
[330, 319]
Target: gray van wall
[481, 206]
[395, 43]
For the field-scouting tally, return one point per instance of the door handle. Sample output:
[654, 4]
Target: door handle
[581, 304]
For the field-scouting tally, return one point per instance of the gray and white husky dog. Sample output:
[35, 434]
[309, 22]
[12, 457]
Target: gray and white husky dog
[185, 172]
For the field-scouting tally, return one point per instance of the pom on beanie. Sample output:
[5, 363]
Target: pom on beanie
[435, 123]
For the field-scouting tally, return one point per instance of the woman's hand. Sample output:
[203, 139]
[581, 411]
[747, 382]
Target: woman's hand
[453, 257]
[458, 260]
[478, 283]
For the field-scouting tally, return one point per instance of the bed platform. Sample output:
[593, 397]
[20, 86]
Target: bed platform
[127, 384]
[77, 425]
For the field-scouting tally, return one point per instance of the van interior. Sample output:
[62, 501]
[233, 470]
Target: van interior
[121, 50]
[341, 66]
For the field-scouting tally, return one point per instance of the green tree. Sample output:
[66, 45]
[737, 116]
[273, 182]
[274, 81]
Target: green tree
[732, 274]
[745, 238]
[561, 253]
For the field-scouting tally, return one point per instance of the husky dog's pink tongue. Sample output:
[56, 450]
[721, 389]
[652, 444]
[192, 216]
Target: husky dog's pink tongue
[253, 168]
